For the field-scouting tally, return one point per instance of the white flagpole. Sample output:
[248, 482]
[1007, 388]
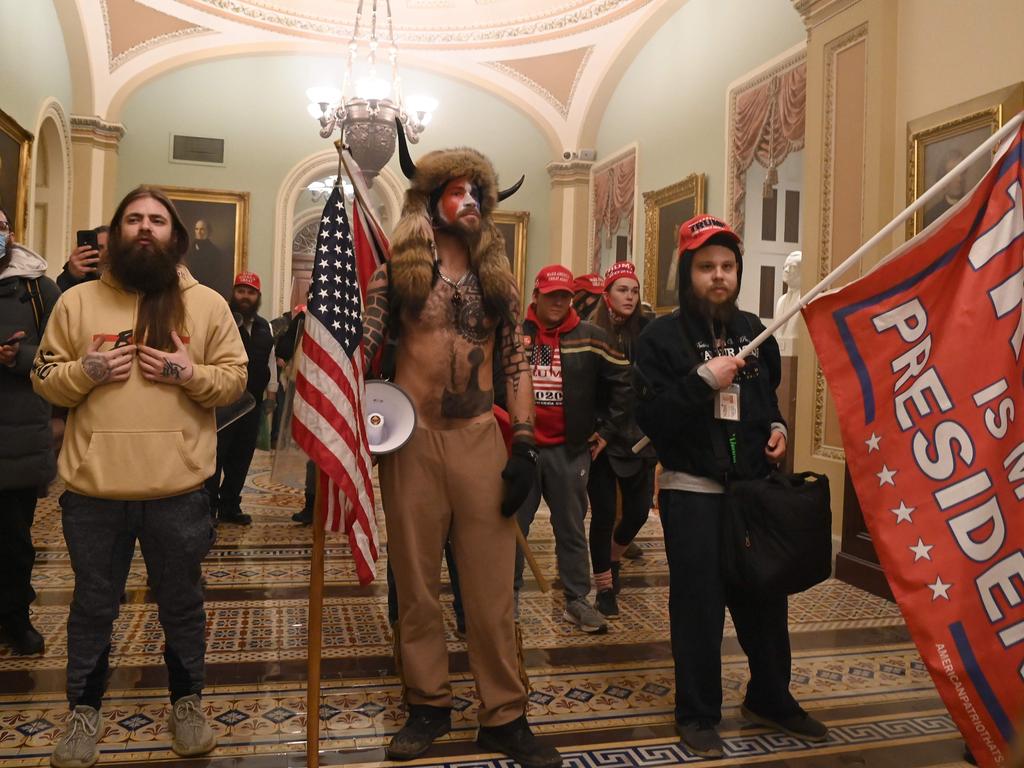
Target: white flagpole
[887, 230]
[362, 192]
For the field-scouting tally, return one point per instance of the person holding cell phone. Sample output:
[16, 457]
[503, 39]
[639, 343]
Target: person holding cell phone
[84, 262]
[26, 442]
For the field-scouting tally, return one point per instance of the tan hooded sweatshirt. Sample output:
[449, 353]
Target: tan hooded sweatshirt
[137, 439]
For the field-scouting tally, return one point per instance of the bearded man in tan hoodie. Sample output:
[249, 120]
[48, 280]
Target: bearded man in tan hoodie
[140, 357]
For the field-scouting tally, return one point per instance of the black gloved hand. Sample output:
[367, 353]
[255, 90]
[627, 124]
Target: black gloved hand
[520, 476]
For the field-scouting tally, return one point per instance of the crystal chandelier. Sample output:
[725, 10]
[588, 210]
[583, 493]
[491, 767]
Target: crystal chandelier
[365, 111]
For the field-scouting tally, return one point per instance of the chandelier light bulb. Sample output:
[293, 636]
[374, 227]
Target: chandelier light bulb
[422, 105]
[323, 94]
[373, 88]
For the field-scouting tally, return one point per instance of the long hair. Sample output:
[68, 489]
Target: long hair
[626, 333]
[163, 311]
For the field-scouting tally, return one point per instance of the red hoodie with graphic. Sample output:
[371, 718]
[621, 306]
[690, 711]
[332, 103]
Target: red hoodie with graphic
[546, 369]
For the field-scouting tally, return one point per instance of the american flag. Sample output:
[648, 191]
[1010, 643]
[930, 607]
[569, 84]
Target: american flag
[328, 411]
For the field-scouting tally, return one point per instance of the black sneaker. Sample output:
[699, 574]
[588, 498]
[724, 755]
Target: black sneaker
[606, 603]
[701, 738]
[516, 740]
[424, 725]
[305, 517]
[800, 725]
[24, 638]
[234, 516]
[633, 551]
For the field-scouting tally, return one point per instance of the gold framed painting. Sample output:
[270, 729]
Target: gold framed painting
[664, 211]
[513, 226]
[15, 154]
[218, 225]
[937, 142]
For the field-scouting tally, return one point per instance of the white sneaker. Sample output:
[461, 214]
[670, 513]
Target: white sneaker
[77, 748]
[190, 733]
[583, 615]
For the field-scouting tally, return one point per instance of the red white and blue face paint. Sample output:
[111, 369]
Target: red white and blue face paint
[459, 200]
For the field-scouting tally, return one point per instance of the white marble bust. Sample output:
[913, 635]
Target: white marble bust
[789, 300]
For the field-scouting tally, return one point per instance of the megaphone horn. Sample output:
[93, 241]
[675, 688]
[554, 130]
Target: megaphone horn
[389, 416]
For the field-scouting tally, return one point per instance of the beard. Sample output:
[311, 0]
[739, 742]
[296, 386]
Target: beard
[247, 309]
[715, 312]
[148, 268]
[461, 228]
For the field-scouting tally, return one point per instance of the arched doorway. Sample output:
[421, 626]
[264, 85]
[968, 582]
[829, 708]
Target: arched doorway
[48, 232]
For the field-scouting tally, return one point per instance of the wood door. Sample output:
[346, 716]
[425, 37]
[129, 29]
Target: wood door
[857, 562]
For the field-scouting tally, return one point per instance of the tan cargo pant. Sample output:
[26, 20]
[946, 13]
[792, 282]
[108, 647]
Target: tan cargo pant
[448, 483]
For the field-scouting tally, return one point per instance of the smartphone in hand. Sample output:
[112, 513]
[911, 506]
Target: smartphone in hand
[14, 338]
[88, 237]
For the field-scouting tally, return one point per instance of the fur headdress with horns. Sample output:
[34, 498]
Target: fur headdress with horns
[412, 260]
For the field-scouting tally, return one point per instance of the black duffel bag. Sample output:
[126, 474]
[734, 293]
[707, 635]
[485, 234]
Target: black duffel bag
[777, 533]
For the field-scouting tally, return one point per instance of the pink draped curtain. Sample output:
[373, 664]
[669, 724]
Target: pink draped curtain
[765, 134]
[613, 201]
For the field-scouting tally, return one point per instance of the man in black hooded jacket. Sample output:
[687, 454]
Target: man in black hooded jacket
[712, 418]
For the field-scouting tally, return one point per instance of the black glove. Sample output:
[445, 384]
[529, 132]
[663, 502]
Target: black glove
[520, 476]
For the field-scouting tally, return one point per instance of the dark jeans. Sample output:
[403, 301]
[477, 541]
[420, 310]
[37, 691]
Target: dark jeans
[236, 444]
[697, 602]
[175, 534]
[17, 555]
[453, 574]
[636, 506]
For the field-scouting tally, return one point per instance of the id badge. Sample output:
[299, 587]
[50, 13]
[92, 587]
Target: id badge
[727, 403]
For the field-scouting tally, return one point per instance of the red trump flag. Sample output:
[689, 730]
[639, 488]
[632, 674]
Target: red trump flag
[923, 360]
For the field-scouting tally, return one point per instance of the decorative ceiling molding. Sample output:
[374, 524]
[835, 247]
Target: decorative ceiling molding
[553, 77]
[133, 28]
[563, 21]
[95, 132]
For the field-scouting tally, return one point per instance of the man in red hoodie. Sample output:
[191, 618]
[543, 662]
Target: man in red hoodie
[575, 367]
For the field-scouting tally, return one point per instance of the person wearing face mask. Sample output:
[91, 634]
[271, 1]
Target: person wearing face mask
[236, 443]
[27, 297]
[617, 467]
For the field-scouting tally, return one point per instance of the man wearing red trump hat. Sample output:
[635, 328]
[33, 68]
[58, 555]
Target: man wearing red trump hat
[714, 418]
[575, 367]
[586, 294]
[236, 442]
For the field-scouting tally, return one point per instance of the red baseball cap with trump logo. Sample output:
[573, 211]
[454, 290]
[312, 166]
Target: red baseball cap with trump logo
[591, 283]
[553, 277]
[250, 279]
[701, 228]
[620, 270]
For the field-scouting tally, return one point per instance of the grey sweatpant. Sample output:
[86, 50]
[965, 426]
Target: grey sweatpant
[563, 484]
[175, 534]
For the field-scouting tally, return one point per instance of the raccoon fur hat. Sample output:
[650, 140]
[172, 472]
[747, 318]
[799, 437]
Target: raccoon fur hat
[412, 260]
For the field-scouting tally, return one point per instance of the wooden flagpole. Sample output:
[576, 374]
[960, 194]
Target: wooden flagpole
[314, 632]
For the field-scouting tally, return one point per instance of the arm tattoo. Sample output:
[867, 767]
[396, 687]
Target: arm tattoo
[375, 315]
[172, 370]
[522, 430]
[96, 367]
[513, 356]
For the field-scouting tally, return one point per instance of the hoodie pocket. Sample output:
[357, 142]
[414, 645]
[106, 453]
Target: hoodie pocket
[136, 465]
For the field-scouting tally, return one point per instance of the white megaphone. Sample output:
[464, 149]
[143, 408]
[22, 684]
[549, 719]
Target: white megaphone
[389, 416]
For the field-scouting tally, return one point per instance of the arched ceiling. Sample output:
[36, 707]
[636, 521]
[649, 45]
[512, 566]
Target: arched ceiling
[549, 58]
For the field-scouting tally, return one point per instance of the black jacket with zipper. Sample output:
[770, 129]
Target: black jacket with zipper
[676, 406]
[593, 371]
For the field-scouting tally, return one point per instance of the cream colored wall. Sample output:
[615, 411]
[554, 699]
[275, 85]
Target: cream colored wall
[672, 99]
[33, 64]
[257, 104]
[950, 51]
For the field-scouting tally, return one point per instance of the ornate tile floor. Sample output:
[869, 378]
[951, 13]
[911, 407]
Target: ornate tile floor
[605, 701]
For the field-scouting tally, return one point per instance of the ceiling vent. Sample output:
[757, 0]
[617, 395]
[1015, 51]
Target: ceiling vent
[197, 149]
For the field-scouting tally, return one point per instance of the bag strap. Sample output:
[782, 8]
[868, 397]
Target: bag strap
[35, 296]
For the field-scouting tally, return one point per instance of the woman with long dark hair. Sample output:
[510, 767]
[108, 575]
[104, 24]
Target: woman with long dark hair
[617, 467]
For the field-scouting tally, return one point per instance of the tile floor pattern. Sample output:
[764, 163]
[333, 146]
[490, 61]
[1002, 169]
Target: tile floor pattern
[606, 701]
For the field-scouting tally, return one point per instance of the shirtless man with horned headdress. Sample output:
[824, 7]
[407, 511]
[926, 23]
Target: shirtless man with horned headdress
[450, 299]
